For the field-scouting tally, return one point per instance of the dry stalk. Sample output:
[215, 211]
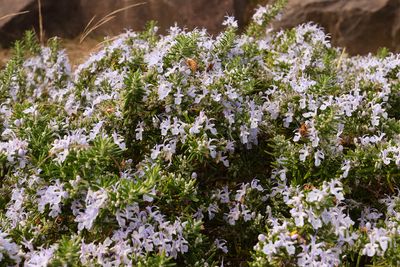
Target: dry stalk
[110, 39]
[341, 58]
[41, 35]
[90, 28]
[14, 14]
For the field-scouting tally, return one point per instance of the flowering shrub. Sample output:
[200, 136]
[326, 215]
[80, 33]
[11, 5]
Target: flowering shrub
[260, 149]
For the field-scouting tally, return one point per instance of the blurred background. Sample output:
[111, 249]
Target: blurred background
[362, 26]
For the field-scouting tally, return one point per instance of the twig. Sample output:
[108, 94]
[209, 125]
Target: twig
[341, 58]
[14, 14]
[90, 22]
[40, 22]
[97, 25]
[89, 29]
[106, 40]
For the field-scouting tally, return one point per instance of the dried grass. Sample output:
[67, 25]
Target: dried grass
[5, 55]
[13, 14]
[79, 51]
[41, 33]
[90, 28]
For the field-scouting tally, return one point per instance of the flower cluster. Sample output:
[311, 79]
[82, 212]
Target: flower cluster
[263, 148]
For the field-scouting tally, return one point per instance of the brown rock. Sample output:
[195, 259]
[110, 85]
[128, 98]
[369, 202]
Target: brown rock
[194, 13]
[68, 18]
[60, 18]
[361, 26]
[8, 9]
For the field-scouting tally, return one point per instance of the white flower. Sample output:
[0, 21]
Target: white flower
[119, 141]
[222, 195]
[288, 118]
[53, 196]
[95, 131]
[233, 215]
[255, 185]
[154, 57]
[304, 152]
[210, 126]
[165, 125]
[318, 156]
[164, 89]
[385, 156]
[198, 123]
[230, 22]
[40, 258]
[139, 131]
[298, 215]
[246, 213]
[95, 200]
[221, 244]
[244, 134]
[296, 137]
[75, 140]
[240, 193]
[212, 209]
[370, 249]
[150, 197]
[15, 150]
[262, 238]
[8, 248]
[198, 214]
[314, 219]
[336, 189]
[258, 16]
[149, 231]
[178, 96]
[316, 195]
[15, 210]
[31, 110]
[345, 168]
[156, 151]
[269, 248]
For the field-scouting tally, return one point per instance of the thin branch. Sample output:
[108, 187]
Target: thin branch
[41, 36]
[342, 55]
[89, 29]
[97, 25]
[110, 39]
[90, 22]
[14, 14]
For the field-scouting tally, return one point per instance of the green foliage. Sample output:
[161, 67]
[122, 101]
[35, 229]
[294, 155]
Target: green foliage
[68, 252]
[256, 28]
[253, 149]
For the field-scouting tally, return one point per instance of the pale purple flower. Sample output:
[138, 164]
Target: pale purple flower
[164, 89]
[212, 210]
[8, 248]
[119, 140]
[95, 200]
[318, 156]
[230, 22]
[139, 131]
[53, 196]
[221, 244]
[40, 258]
[258, 16]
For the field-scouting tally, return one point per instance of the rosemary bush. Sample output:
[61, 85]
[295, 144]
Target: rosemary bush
[253, 149]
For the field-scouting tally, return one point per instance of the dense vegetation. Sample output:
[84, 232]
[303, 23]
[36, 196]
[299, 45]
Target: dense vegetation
[259, 148]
